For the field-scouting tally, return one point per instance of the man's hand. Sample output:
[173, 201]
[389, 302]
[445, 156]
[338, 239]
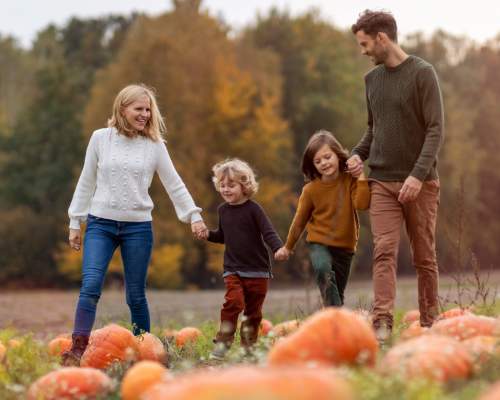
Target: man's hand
[282, 254]
[199, 229]
[355, 165]
[75, 239]
[410, 190]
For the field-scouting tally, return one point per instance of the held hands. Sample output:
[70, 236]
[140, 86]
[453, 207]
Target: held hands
[75, 239]
[282, 254]
[410, 190]
[355, 166]
[199, 229]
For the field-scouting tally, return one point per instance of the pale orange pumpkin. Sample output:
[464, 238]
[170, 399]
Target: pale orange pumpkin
[13, 343]
[151, 348]
[140, 377]
[3, 350]
[411, 316]
[265, 327]
[188, 335]
[465, 326]
[483, 348]
[112, 343]
[251, 383]
[413, 331]
[59, 345]
[285, 328]
[71, 383]
[433, 357]
[331, 336]
[492, 393]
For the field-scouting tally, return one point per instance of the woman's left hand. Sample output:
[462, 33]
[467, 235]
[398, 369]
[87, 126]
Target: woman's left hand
[199, 229]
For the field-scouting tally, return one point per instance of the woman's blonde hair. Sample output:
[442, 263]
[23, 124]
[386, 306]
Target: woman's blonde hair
[238, 171]
[154, 128]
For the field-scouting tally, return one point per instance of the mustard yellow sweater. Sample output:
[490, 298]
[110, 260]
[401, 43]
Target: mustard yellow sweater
[328, 212]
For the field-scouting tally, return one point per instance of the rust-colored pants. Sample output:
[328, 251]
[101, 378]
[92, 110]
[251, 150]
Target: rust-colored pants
[387, 215]
[247, 295]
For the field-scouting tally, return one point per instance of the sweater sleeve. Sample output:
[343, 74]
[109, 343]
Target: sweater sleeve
[433, 115]
[269, 234]
[217, 236]
[85, 188]
[302, 215]
[362, 149]
[184, 205]
[360, 194]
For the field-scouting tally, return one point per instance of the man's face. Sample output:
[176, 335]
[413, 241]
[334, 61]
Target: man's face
[372, 47]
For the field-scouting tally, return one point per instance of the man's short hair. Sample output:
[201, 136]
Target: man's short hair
[373, 22]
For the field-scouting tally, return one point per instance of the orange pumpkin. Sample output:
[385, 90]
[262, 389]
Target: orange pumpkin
[466, 326]
[250, 383]
[454, 312]
[70, 383]
[3, 350]
[493, 393]
[151, 348]
[331, 336]
[140, 377]
[285, 328]
[187, 335]
[59, 345]
[434, 357]
[265, 327]
[13, 343]
[107, 345]
[411, 316]
[413, 331]
[483, 348]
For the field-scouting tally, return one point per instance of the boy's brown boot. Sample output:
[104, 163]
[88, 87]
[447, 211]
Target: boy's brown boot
[71, 358]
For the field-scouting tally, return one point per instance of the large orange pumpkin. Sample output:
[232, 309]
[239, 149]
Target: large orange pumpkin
[107, 345]
[140, 377]
[493, 393]
[414, 330]
[187, 335]
[285, 328]
[483, 348]
[411, 316]
[465, 326]
[331, 336]
[454, 312]
[70, 383]
[151, 348]
[59, 345]
[433, 357]
[251, 383]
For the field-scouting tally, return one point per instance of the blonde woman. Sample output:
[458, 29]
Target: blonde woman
[244, 229]
[112, 198]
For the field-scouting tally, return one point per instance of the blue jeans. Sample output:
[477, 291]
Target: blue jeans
[102, 237]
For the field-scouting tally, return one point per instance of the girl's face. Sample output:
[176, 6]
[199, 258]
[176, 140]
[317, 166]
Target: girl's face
[232, 191]
[326, 162]
[138, 113]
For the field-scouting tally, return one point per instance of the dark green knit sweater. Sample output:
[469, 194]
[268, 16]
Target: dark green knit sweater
[405, 121]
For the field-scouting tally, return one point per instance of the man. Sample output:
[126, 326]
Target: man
[404, 134]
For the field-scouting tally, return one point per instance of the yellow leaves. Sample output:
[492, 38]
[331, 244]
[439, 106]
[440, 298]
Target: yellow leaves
[165, 268]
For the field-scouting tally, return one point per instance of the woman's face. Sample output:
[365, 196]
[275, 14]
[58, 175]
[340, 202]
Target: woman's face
[138, 113]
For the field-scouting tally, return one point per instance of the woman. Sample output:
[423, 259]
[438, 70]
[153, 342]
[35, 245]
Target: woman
[112, 196]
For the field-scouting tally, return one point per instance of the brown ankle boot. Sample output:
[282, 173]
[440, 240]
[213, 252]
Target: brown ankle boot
[71, 358]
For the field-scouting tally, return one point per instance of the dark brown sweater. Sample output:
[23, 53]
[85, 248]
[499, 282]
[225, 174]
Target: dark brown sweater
[405, 121]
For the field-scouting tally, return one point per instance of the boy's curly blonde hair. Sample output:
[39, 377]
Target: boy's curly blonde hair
[238, 171]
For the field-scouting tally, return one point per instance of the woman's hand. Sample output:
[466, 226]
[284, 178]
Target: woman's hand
[282, 254]
[75, 239]
[199, 229]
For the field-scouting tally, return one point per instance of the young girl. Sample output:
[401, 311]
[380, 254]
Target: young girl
[327, 209]
[244, 228]
[112, 197]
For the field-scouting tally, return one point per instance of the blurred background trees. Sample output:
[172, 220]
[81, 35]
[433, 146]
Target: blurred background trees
[257, 94]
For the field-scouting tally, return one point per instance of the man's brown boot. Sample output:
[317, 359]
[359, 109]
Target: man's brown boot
[71, 358]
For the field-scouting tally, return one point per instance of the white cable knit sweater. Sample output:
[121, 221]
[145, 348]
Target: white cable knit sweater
[116, 176]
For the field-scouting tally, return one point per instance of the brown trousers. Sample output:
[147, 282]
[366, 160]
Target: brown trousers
[387, 215]
[247, 295]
